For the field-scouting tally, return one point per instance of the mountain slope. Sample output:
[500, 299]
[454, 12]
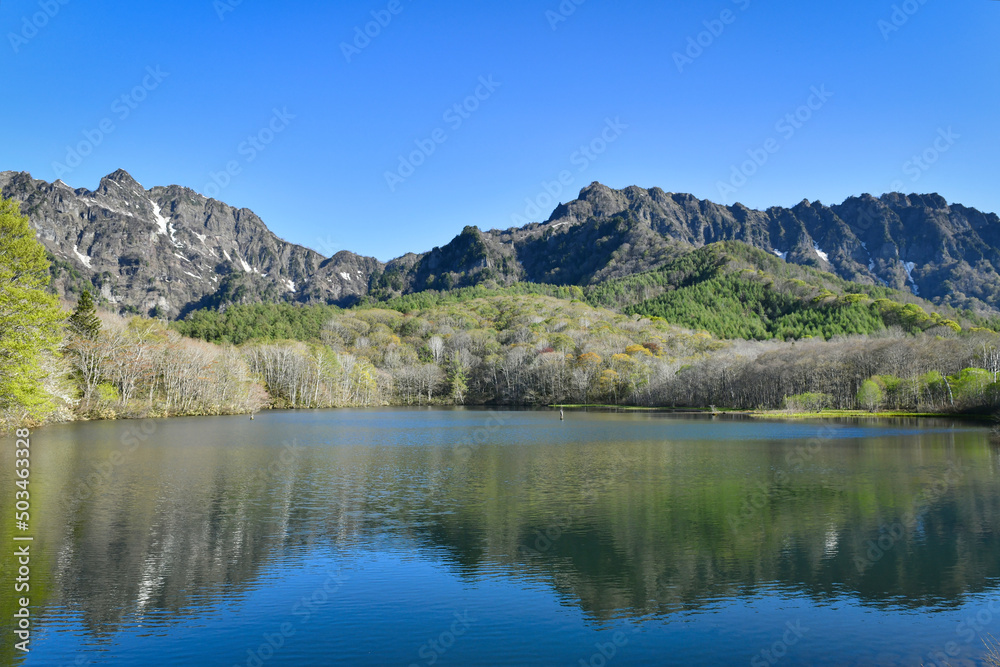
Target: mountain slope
[948, 254]
[471, 258]
[169, 250]
[735, 291]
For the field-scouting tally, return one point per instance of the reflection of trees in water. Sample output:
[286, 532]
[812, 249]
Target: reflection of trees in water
[654, 542]
[641, 526]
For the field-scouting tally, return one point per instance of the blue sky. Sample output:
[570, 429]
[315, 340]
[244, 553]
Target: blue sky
[690, 96]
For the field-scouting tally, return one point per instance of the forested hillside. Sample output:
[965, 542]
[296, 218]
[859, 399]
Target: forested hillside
[724, 325]
[735, 291]
[823, 342]
[478, 346]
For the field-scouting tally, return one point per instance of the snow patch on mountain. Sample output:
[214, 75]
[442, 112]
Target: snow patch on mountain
[822, 255]
[83, 258]
[161, 222]
[173, 237]
[909, 266]
[871, 260]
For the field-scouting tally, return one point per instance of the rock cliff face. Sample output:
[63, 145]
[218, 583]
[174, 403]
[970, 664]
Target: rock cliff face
[168, 250]
[946, 253]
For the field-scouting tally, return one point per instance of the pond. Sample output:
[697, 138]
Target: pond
[469, 537]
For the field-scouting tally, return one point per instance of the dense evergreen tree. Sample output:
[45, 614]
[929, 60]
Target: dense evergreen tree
[84, 322]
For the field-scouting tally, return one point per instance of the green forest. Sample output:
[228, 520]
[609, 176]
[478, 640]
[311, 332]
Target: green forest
[721, 327]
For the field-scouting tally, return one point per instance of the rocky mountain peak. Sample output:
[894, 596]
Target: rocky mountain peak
[593, 190]
[122, 177]
[168, 250]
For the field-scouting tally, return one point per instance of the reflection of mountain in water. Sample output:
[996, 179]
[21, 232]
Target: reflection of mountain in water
[635, 527]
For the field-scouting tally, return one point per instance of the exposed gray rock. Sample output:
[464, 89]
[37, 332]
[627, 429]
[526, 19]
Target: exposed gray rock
[169, 250]
[946, 253]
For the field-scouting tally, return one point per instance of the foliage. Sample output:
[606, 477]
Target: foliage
[972, 385]
[729, 289]
[138, 367]
[433, 298]
[30, 317]
[84, 321]
[257, 322]
[810, 342]
[731, 306]
[870, 395]
[735, 291]
[108, 393]
[515, 346]
[812, 401]
[457, 380]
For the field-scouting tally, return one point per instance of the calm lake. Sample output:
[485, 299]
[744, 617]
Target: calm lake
[464, 537]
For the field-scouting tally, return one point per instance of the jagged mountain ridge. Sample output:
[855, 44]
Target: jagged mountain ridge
[168, 250]
[947, 254]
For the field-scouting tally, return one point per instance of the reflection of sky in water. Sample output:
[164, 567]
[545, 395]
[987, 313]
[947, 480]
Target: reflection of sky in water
[417, 428]
[377, 533]
[360, 611]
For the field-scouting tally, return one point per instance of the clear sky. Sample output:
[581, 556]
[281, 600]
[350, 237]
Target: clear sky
[173, 92]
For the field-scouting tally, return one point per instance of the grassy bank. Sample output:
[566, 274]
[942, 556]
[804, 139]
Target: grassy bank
[856, 414]
[785, 414]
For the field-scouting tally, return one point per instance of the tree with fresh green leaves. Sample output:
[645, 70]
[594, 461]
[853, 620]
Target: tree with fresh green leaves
[30, 317]
[83, 322]
[457, 379]
[971, 385]
[870, 395]
[808, 402]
